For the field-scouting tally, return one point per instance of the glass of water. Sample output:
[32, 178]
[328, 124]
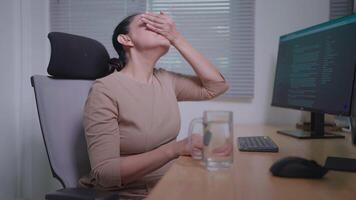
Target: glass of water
[217, 139]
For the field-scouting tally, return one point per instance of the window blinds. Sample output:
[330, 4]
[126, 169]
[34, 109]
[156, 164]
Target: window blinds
[223, 30]
[340, 8]
[92, 18]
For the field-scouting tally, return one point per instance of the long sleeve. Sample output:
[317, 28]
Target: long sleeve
[190, 88]
[103, 135]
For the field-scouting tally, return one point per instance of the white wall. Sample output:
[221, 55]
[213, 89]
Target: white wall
[8, 101]
[24, 51]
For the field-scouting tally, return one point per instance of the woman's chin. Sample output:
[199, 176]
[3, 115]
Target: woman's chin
[164, 43]
[164, 48]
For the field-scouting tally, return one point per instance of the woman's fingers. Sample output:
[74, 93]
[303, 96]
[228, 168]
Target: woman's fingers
[160, 16]
[156, 25]
[197, 140]
[161, 24]
[153, 17]
[153, 25]
[153, 28]
[224, 150]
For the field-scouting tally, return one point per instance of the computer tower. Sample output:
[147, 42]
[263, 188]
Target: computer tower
[353, 114]
[353, 129]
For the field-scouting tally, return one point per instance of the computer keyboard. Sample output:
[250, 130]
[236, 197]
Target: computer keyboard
[257, 144]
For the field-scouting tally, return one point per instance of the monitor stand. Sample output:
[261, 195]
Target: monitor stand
[317, 130]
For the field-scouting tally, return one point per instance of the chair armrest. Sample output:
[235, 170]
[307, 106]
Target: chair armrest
[81, 194]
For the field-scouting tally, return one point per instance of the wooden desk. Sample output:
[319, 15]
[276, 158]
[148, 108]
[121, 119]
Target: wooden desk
[249, 178]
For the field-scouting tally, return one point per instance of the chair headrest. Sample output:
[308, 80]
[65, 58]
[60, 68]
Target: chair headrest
[77, 57]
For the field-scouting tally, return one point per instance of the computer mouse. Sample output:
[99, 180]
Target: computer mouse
[297, 167]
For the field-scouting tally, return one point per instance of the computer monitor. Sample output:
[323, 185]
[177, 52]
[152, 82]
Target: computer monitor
[315, 72]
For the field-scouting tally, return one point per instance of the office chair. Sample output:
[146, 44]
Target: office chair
[74, 63]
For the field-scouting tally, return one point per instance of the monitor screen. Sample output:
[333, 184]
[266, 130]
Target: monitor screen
[316, 66]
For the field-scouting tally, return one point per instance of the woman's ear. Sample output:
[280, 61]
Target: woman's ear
[125, 40]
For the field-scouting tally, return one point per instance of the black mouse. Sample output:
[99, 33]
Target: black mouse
[296, 167]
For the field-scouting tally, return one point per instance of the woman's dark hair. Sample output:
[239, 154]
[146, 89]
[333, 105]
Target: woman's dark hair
[121, 28]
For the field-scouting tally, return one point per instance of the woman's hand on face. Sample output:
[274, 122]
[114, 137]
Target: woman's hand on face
[161, 24]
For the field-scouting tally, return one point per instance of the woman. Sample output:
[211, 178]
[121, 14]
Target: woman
[131, 116]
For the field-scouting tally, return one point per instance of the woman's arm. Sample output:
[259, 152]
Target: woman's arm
[164, 25]
[136, 166]
[204, 69]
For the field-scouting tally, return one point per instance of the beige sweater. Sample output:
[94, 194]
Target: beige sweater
[124, 117]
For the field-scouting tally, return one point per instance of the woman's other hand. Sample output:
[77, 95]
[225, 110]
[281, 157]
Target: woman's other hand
[224, 150]
[161, 24]
[185, 148]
